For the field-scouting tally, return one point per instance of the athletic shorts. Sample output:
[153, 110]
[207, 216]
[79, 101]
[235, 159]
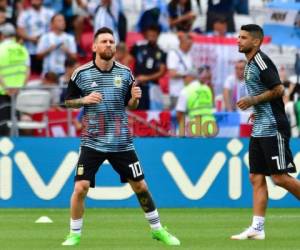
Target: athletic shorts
[125, 163]
[271, 155]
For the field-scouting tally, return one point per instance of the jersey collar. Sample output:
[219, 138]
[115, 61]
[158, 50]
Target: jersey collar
[104, 71]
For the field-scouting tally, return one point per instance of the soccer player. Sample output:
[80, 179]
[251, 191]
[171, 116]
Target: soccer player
[104, 88]
[269, 152]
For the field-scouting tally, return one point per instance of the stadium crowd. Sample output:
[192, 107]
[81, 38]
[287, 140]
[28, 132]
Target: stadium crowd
[57, 36]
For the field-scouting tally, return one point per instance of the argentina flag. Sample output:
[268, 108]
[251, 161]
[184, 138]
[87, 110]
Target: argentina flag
[282, 22]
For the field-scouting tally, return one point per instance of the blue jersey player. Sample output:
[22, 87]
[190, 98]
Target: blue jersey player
[269, 151]
[104, 87]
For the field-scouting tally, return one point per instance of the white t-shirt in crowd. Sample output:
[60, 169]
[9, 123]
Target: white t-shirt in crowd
[237, 88]
[182, 63]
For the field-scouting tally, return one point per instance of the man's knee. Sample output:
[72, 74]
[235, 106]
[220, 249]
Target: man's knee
[257, 179]
[279, 180]
[139, 186]
[81, 188]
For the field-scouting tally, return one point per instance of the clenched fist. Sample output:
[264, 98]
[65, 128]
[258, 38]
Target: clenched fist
[136, 92]
[92, 98]
[246, 102]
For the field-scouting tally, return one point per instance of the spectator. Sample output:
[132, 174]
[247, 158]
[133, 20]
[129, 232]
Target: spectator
[234, 87]
[179, 62]
[154, 13]
[32, 23]
[217, 9]
[11, 9]
[206, 77]
[74, 22]
[220, 27]
[195, 108]
[181, 16]
[123, 56]
[150, 66]
[54, 47]
[14, 70]
[3, 20]
[107, 13]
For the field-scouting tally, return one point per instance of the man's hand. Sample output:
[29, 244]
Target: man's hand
[136, 92]
[246, 102]
[92, 98]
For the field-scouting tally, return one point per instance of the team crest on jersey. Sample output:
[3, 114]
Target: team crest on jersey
[118, 81]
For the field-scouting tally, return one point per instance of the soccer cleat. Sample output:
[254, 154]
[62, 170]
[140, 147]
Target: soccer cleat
[72, 239]
[249, 234]
[164, 236]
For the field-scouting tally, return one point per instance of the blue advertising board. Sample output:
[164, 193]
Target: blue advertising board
[181, 172]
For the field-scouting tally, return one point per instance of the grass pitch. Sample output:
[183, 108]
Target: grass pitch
[126, 229]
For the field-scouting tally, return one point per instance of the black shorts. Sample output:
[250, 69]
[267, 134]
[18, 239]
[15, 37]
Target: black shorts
[126, 164]
[271, 155]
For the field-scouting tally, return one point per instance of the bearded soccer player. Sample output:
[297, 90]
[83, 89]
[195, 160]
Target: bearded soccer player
[104, 88]
[269, 151]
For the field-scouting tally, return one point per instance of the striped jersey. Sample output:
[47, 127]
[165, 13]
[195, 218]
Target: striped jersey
[55, 60]
[261, 75]
[105, 124]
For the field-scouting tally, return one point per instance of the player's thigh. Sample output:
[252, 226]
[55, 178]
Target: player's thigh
[127, 165]
[257, 161]
[278, 155]
[88, 164]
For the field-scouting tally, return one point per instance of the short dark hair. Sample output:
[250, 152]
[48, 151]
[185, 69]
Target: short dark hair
[56, 15]
[255, 30]
[103, 30]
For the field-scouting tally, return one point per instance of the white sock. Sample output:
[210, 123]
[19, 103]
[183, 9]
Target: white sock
[76, 225]
[154, 220]
[258, 223]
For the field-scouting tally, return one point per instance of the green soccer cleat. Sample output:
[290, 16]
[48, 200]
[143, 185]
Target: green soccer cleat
[164, 236]
[72, 239]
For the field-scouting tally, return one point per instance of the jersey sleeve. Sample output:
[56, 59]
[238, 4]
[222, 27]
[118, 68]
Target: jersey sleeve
[268, 75]
[73, 91]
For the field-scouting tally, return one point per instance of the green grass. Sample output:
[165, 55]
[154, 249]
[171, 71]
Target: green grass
[126, 229]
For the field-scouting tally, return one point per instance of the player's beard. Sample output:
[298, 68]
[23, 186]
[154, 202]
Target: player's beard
[245, 50]
[107, 55]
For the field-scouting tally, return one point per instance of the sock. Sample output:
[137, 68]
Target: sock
[76, 225]
[154, 220]
[258, 223]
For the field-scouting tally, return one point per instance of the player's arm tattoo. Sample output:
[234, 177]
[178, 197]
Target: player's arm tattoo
[74, 103]
[269, 95]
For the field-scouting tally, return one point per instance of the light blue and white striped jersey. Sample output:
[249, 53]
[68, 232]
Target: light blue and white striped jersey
[261, 75]
[55, 60]
[35, 23]
[105, 125]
